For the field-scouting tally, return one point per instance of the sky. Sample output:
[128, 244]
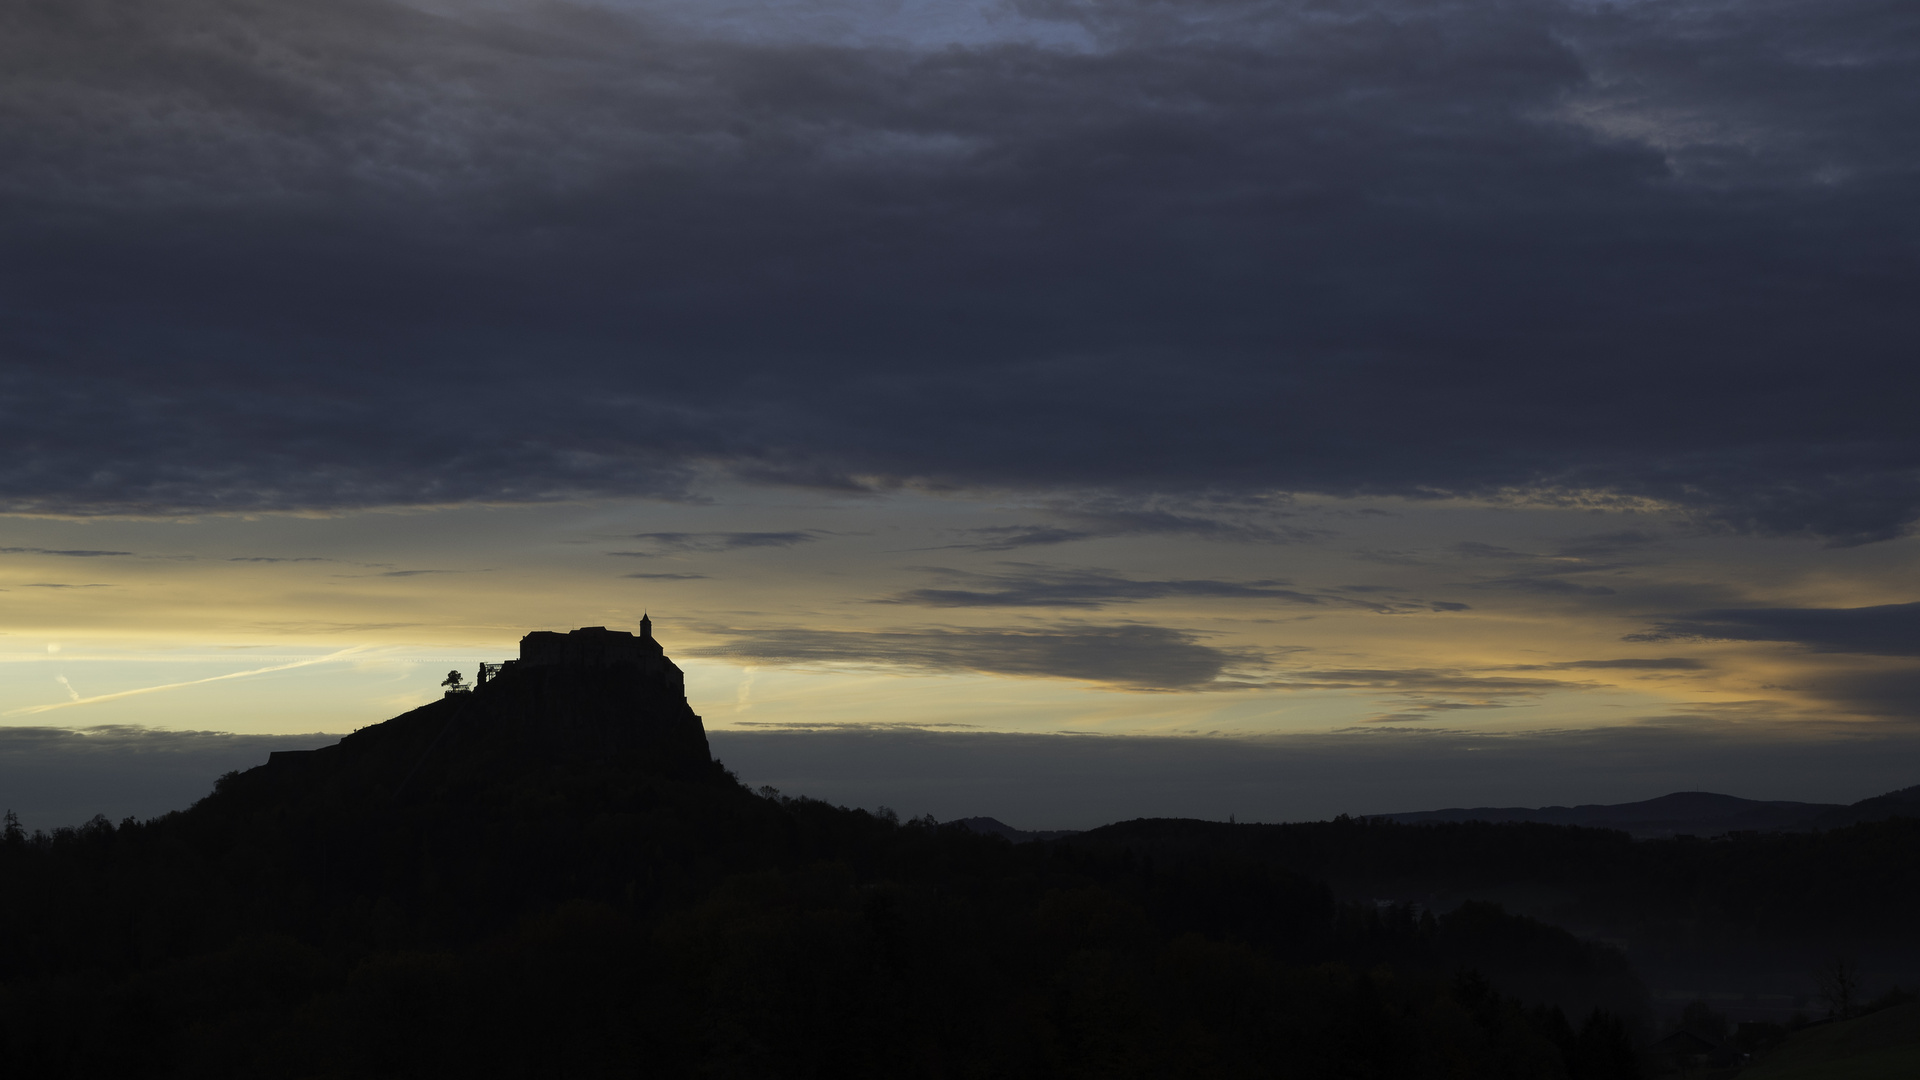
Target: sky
[1058, 410]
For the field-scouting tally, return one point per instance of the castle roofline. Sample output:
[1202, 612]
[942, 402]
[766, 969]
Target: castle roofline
[592, 646]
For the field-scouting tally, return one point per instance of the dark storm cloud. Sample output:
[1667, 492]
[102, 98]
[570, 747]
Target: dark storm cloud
[301, 256]
[1128, 656]
[73, 554]
[1883, 630]
[1027, 585]
[667, 577]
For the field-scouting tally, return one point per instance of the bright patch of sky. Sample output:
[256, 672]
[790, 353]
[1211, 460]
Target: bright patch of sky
[1014, 615]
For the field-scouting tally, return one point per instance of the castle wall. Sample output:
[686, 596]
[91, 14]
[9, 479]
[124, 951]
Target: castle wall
[599, 647]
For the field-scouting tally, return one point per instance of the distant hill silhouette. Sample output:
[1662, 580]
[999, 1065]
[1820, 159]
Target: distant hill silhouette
[548, 875]
[995, 827]
[591, 699]
[1902, 803]
[1748, 917]
[1688, 813]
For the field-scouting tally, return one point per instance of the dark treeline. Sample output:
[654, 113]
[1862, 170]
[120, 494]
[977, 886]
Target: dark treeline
[1861, 876]
[1799, 895]
[861, 947]
[453, 893]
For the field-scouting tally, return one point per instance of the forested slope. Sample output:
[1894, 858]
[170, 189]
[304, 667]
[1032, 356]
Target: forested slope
[488, 886]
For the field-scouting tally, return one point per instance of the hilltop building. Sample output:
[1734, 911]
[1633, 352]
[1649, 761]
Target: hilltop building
[597, 647]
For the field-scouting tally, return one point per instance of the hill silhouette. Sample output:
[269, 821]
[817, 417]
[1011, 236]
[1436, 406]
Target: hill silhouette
[527, 719]
[995, 827]
[550, 875]
[1902, 803]
[1747, 918]
[1688, 813]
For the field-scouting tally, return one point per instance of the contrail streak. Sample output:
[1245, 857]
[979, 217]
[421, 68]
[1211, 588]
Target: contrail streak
[32, 709]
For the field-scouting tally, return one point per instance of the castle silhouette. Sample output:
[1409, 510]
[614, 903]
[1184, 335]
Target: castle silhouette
[599, 648]
[591, 698]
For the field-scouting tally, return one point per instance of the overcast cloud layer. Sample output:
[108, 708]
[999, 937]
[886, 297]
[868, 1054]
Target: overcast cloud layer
[280, 255]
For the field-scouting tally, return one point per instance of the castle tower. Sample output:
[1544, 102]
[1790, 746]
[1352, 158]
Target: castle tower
[646, 627]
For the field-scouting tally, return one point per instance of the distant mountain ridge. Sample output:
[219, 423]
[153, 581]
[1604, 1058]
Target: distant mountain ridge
[996, 827]
[1688, 813]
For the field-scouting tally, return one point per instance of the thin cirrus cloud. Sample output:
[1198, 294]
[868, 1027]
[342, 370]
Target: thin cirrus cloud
[1416, 681]
[1028, 585]
[1541, 585]
[278, 559]
[1123, 657]
[1553, 574]
[1033, 585]
[77, 699]
[1880, 630]
[1013, 537]
[1102, 518]
[680, 543]
[1219, 247]
[81, 553]
[1651, 663]
[1127, 656]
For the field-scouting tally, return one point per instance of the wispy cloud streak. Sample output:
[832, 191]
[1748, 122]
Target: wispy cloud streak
[33, 710]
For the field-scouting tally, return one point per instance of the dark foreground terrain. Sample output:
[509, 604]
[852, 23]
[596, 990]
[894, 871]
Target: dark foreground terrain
[548, 878]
